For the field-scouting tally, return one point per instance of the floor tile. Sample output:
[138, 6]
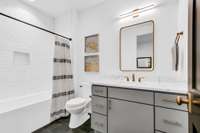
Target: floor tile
[61, 126]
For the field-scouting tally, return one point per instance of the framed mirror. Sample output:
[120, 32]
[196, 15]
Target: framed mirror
[137, 47]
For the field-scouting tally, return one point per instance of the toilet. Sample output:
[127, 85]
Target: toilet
[79, 107]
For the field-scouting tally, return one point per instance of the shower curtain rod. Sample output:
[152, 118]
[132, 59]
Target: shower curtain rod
[40, 28]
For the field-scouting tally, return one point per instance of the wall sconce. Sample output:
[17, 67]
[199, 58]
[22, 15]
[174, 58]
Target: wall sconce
[138, 11]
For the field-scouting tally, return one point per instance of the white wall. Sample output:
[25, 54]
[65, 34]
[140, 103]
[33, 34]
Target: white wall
[25, 77]
[18, 79]
[102, 19]
[67, 24]
[17, 9]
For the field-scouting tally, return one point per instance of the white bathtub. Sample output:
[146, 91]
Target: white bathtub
[15, 103]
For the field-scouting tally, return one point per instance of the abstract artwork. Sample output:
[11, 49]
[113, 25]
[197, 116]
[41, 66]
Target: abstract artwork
[92, 44]
[92, 63]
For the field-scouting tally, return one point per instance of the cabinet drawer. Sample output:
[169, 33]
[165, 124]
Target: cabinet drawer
[99, 105]
[131, 95]
[171, 121]
[169, 101]
[99, 123]
[159, 132]
[99, 91]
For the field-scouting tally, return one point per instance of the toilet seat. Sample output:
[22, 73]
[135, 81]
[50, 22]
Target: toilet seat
[76, 102]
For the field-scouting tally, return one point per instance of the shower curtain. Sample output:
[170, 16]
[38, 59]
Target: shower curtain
[62, 79]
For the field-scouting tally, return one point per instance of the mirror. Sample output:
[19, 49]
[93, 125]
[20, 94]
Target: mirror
[137, 47]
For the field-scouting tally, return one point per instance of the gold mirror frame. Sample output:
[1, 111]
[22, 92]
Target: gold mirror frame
[120, 45]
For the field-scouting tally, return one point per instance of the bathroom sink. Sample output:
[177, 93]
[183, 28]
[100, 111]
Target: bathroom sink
[127, 84]
[144, 85]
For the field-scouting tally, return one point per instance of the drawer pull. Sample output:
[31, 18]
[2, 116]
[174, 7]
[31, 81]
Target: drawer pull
[169, 101]
[99, 124]
[99, 106]
[98, 91]
[173, 123]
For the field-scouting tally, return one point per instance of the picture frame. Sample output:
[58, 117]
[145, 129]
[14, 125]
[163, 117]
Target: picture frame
[92, 63]
[92, 43]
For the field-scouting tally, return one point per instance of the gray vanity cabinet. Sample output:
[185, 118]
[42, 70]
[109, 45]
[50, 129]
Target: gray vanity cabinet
[99, 109]
[169, 117]
[129, 117]
[122, 110]
[171, 121]
[130, 111]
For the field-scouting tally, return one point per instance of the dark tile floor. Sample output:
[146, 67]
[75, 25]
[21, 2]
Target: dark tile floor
[61, 126]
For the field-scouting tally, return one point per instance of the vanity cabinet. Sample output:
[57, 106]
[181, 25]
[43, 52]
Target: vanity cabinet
[159, 132]
[99, 123]
[130, 110]
[129, 117]
[171, 121]
[99, 109]
[99, 105]
[170, 117]
[122, 110]
[99, 91]
[131, 95]
[168, 101]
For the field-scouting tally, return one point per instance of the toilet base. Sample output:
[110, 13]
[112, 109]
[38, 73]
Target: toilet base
[77, 120]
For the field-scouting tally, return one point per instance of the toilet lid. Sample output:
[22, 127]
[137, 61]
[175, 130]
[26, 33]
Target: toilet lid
[76, 102]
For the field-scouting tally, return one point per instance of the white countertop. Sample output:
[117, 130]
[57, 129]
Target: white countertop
[180, 88]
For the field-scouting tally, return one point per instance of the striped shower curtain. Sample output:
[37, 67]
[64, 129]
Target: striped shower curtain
[62, 79]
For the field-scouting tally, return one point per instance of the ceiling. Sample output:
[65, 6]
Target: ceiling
[56, 7]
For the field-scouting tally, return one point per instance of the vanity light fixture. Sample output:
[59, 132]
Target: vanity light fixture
[138, 11]
[32, 0]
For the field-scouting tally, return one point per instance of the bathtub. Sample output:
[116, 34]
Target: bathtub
[15, 103]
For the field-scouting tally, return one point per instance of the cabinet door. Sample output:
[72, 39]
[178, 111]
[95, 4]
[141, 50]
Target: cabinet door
[129, 117]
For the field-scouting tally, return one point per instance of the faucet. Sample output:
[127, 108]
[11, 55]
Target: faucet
[127, 78]
[133, 77]
[140, 79]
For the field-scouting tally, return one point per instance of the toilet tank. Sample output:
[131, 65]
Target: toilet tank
[85, 89]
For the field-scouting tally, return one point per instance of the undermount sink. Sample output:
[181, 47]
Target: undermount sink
[142, 83]
[145, 85]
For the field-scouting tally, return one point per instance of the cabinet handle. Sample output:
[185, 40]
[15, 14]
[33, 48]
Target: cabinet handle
[99, 106]
[98, 124]
[173, 123]
[109, 104]
[101, 124]
[98, 91]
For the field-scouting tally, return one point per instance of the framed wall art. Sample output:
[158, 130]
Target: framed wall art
[92, 63]
[92, 44]
[92, 53]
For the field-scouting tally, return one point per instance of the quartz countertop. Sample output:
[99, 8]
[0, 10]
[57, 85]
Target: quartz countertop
[180, 88]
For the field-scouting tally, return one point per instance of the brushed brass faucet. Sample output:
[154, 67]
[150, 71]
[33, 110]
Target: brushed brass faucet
[133, 77]
[140, 79]
[127, 78]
